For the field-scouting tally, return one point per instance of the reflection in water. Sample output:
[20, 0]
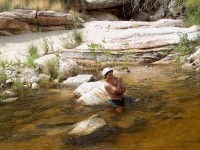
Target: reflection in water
[166, 116]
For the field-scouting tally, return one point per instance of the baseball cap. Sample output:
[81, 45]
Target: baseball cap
[105, 70]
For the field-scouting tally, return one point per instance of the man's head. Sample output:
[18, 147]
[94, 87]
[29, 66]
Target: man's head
[106, 71]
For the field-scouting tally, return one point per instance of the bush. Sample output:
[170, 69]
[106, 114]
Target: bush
[4, 5]
[192, 12]
[53, 68]
[32, 55]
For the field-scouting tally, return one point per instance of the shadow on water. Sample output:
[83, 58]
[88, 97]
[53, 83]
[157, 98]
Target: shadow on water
[161, 112]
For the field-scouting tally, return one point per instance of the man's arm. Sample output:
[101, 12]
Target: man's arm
[122, 85]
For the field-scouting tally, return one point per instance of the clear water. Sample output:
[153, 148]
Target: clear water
[165, 117]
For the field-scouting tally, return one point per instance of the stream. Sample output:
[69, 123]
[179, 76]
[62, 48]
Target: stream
[166, 115]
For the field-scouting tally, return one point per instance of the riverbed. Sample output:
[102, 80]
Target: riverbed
[166, 115]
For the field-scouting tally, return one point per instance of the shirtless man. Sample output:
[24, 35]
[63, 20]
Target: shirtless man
[115, 88]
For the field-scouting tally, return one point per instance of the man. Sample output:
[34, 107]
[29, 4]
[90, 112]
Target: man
[115, 88]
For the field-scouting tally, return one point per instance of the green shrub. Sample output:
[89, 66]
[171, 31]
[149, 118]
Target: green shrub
[47, 45]
[184, 46]
[77, 37]
[72, 40]
[32, 55]
[93, 48]
[3, 77]
[18, 88]
[4, 5]
[53, 68]
[192, 11]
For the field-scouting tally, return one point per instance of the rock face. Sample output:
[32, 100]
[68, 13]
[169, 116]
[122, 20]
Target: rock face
[142, 42]
[21, 21]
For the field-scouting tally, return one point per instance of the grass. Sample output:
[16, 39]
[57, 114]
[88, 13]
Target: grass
[192, 12]
[72, 41]
[93, 48]
[4, 5]
[19, 88]
[53, 68]
[31, 4]
[32, 55]
[47, 45]
[185, 47]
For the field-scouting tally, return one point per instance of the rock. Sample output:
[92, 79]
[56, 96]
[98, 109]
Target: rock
[68, 68]
[102, 16]
[41, 62]
[175, 8]
[28, 73]
[12, 26]
[9, 82]
[9, 94]
[51, 18]
[86, 87]
[87, 126]
[21, 21]
[44, 77]
[35, 86]
[9, 100]
[92, 93]
[34, 79]
[79, 79]
[193, 60]
[168, 23]
[141, 16]
[94, 4]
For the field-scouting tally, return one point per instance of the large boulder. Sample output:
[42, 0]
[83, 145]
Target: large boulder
[68, 68]
[21, 21]
[92, 93]
[11, 26]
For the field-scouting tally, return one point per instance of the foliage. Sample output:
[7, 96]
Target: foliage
[53, 68]
[127, 59]
[72, 40]
[4, 63]
[77, 36]
[4, 5]
[3, 76]
[192, 11]
[184, 46]
[32, 55]
[19, 88]
[94, 48]
[47, 45]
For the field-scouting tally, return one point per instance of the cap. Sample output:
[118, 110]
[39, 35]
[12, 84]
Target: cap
[105, 70]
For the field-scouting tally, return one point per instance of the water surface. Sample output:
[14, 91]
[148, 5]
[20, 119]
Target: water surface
[165, 117]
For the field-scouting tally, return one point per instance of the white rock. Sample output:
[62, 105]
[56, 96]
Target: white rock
[92, 93]
[87, 126]
[10, 100]
[35, 86]
[79, 79]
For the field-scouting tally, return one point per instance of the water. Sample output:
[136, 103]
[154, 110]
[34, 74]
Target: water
[165, 117]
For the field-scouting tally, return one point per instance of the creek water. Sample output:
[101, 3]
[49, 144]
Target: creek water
[166, 116]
